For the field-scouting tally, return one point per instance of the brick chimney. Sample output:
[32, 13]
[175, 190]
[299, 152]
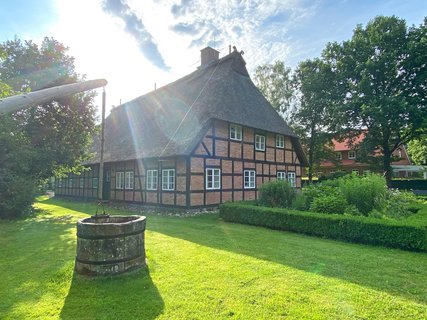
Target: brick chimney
[208, 55]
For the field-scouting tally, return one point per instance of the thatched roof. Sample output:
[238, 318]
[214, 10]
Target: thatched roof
[171, 120]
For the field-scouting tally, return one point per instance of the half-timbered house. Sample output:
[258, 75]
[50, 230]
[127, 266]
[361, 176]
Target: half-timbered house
[207, 138]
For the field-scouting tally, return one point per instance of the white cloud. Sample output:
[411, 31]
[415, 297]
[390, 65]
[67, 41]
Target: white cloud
[103, 49]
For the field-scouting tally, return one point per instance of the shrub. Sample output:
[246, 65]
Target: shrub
[16, 195]
[301, 202]
[329, 203]
[365, 193]
[352, 210]
[277, 194]
[398, 204]
[313, 191]
[349, 228]
[333, 176]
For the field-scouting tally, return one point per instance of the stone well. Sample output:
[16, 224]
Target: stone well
[110, 245]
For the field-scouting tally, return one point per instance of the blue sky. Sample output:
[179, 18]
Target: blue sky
[136, 44]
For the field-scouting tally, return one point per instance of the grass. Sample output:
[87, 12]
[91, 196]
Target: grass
[203, 268]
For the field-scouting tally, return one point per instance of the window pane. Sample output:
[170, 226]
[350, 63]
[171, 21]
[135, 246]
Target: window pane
[280, 141]
[168, 179]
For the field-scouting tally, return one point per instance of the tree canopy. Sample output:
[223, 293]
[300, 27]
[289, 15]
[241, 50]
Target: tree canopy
[381, 75]
[313, 119]
[40, 141]
[275, 83]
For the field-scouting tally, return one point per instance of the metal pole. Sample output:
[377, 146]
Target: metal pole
[101, 161]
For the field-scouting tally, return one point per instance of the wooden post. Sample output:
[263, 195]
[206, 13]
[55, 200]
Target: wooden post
[101, 161]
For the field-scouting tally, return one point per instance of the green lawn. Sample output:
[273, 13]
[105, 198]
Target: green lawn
[203, 268]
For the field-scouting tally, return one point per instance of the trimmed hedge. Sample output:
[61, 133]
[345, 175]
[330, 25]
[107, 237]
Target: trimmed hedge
[348, 228]
[409, 184]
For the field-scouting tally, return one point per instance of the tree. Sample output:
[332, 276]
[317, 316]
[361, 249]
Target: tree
[274, 82]
[312, 119]
[41, 141]
[381, 74]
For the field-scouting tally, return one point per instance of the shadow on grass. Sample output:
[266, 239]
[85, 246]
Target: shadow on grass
[394, 271]
[128, 296]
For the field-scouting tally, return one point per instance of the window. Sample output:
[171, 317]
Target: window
[151, 180]
[120, 180]
[94, 183]
[235, 132]
[338, 156]
[60, 182]
[259, 142]
[352, 154]
[168, 179]
[70, 182]
[249, 179]
[213, 179]
[281, 175]
[81, 183]
[280, 141]
[355, 171]
[129, 180]
[399, 153]
[292, 179]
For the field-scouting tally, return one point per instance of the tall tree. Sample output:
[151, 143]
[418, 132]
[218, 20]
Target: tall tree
[381, 72]
[41, 141]
[275, 83]
[312, 119]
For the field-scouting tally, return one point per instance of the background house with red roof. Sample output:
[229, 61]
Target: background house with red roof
[346, 159]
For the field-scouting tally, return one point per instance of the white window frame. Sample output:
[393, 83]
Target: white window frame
[280, 141]
[129, 180]
[259, 142]
[251, 176]
[152, 179]
[120, 180]
[213, 178]
[81, 183]
[292, 178]
[338, 155]
[235, 132]
[168, 179]
[352, 155]
[95, 183]
[281, 175]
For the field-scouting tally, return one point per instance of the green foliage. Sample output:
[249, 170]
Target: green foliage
[329, 203]
[333, 176]
[301, 202]
[348, 228]
[274, 82]
[399, 204]
[364, 192]
[417, 149]
[356, 195]
[312, 119]
[380, 73]
[41, 141]
[277, 194]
